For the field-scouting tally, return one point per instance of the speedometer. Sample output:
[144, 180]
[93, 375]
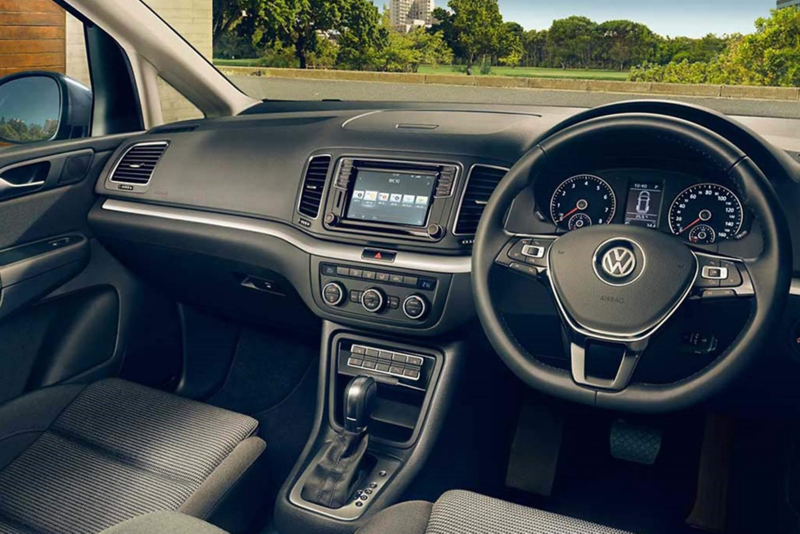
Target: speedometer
[706, 213]
[581, 201]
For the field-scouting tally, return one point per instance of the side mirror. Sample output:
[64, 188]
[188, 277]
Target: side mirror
[43, 106]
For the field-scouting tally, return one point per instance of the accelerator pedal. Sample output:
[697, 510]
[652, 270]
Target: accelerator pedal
[635, 443]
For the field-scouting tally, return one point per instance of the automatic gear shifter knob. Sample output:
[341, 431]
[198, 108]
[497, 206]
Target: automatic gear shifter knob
[358, 398]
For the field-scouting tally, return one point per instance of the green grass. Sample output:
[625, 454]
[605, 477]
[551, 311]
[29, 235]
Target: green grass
[526, 72]
[534, 72]
[237, 62]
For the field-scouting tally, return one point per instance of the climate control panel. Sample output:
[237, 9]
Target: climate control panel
[400, 297]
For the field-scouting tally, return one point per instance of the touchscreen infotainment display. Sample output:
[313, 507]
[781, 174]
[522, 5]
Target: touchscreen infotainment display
[391, 197]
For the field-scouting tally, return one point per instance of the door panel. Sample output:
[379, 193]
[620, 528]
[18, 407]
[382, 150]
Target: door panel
[68, 309]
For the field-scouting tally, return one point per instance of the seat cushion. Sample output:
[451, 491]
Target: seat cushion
[164, 523]
[464, 512]
[407, 518]
[116, 450]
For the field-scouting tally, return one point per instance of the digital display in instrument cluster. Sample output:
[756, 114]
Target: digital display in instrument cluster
[644, 204]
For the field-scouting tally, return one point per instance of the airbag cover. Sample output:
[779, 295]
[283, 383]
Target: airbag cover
[620, 281]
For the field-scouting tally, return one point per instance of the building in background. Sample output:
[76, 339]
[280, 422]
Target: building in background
[407, 14]
[423, 10]
[787, 3]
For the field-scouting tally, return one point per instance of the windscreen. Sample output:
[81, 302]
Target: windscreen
[737, 56]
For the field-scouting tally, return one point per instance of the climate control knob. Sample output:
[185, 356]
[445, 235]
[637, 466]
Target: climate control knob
[373, 300]
[415, 307]
[333, 293]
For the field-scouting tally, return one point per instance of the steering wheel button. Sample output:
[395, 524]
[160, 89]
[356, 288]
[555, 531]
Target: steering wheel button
[714, 273]
[533, 251]
[524, 269]
[734, 278]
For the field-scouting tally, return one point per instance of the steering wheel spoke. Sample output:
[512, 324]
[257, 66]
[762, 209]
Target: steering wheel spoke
[526, 254]
[630, 358]
[721, 277]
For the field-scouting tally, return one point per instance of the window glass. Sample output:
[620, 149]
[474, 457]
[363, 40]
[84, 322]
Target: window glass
[174, 106]
[192, 19]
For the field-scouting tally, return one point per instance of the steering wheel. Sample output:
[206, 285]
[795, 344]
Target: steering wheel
[617, 284]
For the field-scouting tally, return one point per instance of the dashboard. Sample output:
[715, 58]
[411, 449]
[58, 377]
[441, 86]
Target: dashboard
[698, 206]
[366, 216]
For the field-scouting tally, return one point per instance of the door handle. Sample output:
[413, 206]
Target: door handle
[7, 189]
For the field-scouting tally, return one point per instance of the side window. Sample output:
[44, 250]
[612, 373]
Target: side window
[174, 106]
[191, 19]
[42, 50]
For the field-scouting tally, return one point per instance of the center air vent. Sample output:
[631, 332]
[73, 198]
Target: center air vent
[481, 183]
[313, 185]
[137, 165]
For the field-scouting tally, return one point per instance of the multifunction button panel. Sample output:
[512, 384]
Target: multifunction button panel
[398, 366]
[388, 362]
[402, 297]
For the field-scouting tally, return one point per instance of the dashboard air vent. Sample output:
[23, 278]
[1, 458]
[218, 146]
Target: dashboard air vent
[313, 185]
[137, 165]
[481, 183]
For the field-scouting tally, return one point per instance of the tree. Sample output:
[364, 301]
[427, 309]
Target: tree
[624, 43]
[571, 42]
[258, 16]
[479, 27]
[312, 16]
[771, 55]
[444, 25]
[534, 48]
[511, 50]
[365, 32]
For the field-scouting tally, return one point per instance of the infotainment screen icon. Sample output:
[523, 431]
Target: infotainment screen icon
[391, 197]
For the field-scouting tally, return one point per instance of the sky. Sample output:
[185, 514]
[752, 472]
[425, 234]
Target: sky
[691, 18]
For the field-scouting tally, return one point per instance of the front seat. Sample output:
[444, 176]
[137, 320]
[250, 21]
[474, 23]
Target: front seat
[464, 512]
[80, 459]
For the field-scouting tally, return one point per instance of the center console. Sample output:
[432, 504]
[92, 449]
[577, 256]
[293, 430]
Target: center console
[385, 433]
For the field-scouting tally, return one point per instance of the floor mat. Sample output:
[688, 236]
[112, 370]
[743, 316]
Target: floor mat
[266, 369]
[646, 499]
[274, 379]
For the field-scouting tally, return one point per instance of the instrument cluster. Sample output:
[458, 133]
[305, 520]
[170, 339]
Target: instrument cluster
[698, 210]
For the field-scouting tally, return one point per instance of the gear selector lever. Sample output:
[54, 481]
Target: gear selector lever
[358, 399]
[338, 472]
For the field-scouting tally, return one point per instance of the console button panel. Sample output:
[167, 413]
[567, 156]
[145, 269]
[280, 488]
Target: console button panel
[388, 362]
[402, 367]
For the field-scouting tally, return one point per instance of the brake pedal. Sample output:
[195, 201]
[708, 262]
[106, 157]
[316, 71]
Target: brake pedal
[635, 443]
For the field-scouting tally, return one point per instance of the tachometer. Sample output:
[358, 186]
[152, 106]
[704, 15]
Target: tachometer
[706, 213]
[582, 200]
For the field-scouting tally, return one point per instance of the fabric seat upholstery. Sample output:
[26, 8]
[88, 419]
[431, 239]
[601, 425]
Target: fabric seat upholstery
[464, 512]
[80, 459]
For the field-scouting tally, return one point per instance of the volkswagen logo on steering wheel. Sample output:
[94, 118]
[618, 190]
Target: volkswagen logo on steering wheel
[619, 261]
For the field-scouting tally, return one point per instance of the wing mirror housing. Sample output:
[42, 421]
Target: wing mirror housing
[43, 106]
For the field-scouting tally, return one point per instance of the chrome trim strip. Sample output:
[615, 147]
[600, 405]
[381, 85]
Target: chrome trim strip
[464, 191]
[327, 250]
